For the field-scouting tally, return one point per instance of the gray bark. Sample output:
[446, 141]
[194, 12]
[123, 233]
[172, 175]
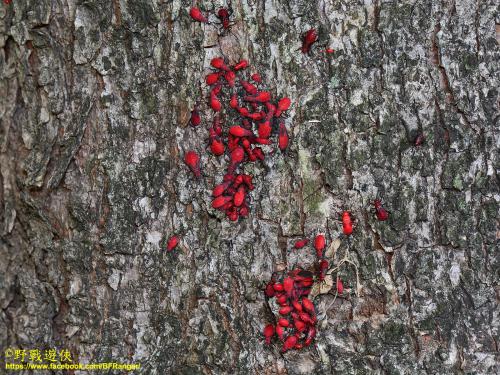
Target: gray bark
[95, 101]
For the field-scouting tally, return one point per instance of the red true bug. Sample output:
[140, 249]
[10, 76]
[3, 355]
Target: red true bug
[340, 286]
[307, 304]
[217, 147]
[239, 196]
[278, 287]
[192, 160]
[283, 322]
[172, 243]
[269, 333]
[285, 310]
[196, 14]
[280, 332]
[283, 137]
[212, 78]
[319, 245]
[289, 343]
[323, 267]
[288, 285]
[220, 189]
[248, 87]
[238, 131]
[241, 65]
[223, 15]
[233, 103]
[310, 37]
[296, 305]
[269, 291]
[218, 63]
[346, 223]
[215, 103]
[380, 211]
[237, 155]
[282, 106]
[264, 129]
[230, 77]
[221, 201]
[299, 325]
[262, 97]
[419, 139]
[301, 243]
[195, 117]
[256, 77]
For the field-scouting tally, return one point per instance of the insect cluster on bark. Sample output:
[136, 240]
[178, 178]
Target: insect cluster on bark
[255, 117]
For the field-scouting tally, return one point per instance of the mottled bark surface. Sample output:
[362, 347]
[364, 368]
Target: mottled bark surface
[95, 100]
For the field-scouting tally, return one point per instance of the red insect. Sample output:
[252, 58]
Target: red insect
[7, 2]
[220, 189]
[307, 304]
[289, 343]
[256, 77]
[221, 201]
[268, 333]
[238, 131]
[288, 285]
[278, 287]
[195, 117]
[310, 37]
[280, 332]
[319, 245]
[248, 87]
[239, 196]
[217, 147]
[241, 65]
[340, 286]
[172, 243]
[380, 211]
[283, 105]
[329, 50]
[261, 97]
[215, 103]
[283, 322]
[301, 243]
[233, 103]
[192, 160]
[296, 305]
[299, 325]
[237, 155]
[196, 14]
[346, 223]
[218, 63]
[283, 137]
[223, 15]
[285, 310]
[212, 78]
[419, 140]
[264, 129]
[323, 267]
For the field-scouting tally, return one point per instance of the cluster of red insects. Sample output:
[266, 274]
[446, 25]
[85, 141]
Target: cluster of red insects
[296, 327]
[256, 116]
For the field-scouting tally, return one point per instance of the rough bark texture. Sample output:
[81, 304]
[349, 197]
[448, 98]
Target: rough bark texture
[95, 100]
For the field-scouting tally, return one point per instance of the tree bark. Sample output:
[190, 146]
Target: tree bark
[96, 98]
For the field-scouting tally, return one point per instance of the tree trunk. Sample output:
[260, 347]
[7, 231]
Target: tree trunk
[96, 98]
